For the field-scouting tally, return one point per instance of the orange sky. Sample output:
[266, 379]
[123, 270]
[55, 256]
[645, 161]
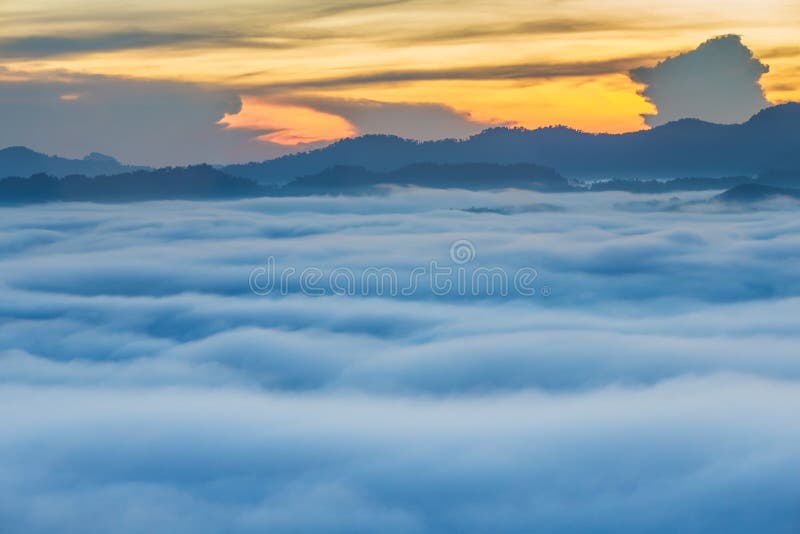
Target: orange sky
[521, 62]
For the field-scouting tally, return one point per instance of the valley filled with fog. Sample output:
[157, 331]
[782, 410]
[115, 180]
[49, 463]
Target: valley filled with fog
[152, 377]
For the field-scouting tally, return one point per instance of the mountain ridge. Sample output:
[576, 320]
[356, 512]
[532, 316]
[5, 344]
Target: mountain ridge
[197, 182]
[24, 161]
[343, 179]
[204, 182]
[751, 193]
[769, 140]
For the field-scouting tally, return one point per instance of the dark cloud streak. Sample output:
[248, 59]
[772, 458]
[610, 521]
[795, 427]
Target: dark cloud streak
[512, 72]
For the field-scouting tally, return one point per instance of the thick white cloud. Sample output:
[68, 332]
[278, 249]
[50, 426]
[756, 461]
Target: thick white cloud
[143, 387]
[719, 82]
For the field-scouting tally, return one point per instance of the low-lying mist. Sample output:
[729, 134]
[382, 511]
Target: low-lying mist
[643, 377]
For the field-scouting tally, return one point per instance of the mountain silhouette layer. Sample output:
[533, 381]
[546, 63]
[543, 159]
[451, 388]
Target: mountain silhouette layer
[779, 179]
[473, 176]
[749, 193]
[206, 182]
[190, 183]
[22, 161]
[689, 147]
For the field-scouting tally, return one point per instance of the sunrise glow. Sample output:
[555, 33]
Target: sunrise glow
[511, 62]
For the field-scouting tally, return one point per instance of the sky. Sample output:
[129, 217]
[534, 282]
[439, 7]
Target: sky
[177, 81]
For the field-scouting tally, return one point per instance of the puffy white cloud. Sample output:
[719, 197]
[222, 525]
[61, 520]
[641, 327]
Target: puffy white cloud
[719, 82]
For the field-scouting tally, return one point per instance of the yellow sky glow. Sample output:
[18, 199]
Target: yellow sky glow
[287, 124]
[575, 52]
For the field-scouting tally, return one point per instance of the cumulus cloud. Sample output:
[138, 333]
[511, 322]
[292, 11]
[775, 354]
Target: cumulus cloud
[719, 82]
[143, 386]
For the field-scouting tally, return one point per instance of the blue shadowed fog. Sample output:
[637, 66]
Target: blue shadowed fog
[649, 383]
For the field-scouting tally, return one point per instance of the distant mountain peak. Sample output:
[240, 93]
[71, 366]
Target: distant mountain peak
[18, 150]
[786, 112]
[99, 157]
[687, 121]
[749, 193]
[22, 161]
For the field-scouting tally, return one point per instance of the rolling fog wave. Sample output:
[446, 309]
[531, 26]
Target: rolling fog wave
[648, 383]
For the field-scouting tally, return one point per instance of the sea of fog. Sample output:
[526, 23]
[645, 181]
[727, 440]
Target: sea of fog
[421, 361]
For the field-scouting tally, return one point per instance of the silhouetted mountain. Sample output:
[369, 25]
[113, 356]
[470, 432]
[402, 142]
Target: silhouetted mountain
[747, 193]
[473, 176]
[206, 182]
[787, 179]
[689, 147]
[197, 182]
[21, 161]
[669, 186]
[541, 207]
